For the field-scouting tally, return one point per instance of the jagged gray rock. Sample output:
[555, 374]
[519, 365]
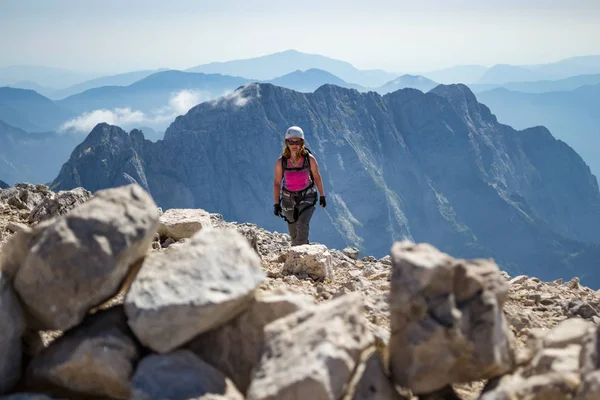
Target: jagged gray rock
[208, 279]
[564, 363]
[312, 353]
[235, 348]
[58, 204]
[180, 375]
[12, 326]
[446, 319]
[370, 381]
[24, 196]
[95, 359]
[79, 260]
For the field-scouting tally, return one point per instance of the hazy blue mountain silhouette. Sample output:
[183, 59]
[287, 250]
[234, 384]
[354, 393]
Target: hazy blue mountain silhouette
[30, 111]
[123, 79]
[466, 74]
[581, 65]
[4, 185]
[56, 78]
[152, 92]
[504, 73]
[32, 157]
[572, 116]
[310, 80]
[543, 86]
[30, 85]
[434, 167]
[407, 81]
[275, 65]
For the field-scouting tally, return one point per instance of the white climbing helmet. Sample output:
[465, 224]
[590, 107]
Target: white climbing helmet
[294, 132]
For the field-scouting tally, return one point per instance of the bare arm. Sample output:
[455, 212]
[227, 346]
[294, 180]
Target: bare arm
[314, 168]
[277, 181]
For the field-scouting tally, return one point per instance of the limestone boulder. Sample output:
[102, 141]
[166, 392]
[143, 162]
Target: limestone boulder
[309, 260]
[180, 375]
[12, 326]
[446, 317]
[78, 260]
[564, 364]
[370, 382]
[312, 353]
[236, 347]
[193, 288]
[95, 359]
[181, 223]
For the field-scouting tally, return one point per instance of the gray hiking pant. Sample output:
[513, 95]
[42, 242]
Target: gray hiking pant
[305, 204]
[299, 229]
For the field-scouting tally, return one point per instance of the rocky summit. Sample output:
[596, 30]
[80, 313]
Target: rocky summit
[105, 296]
[432, 167]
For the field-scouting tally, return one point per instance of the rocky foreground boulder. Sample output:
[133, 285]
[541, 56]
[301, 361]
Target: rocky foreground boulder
[106, 297]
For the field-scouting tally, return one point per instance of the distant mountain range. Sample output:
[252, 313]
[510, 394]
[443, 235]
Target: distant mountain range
[434, 167]
[30, 111]
[271, 66]
[32, 157]
[504, 73]
[572, 116]
[48, 77]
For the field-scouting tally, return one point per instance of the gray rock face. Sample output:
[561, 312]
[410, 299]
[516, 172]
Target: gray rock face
[13, 325]
[370, 381]
[236, 347]
[209, 279]
[180, 375]
[434, 167]
[563, 364]
[446, 319]
[96, 358]
[312, 353]
[79, 260]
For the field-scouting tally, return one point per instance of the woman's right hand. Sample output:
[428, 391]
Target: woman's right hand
[277, 210]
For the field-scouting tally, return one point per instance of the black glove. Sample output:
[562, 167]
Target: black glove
[277, 210]
[322, 201]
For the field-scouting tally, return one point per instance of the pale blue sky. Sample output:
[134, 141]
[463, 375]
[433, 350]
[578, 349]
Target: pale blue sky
[395, 35]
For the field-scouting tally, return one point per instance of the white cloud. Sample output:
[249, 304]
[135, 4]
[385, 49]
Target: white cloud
[182, 101]
[178, 104]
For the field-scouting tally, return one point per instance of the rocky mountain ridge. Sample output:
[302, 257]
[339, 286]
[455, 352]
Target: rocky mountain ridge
[415, 324]
[434, 167]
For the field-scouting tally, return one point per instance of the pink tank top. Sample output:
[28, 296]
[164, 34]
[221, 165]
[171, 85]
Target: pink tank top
[296, 180]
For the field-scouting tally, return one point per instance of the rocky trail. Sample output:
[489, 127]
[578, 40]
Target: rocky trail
[109, 297]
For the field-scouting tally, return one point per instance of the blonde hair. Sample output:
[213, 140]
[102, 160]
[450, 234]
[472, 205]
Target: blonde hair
[287, 153]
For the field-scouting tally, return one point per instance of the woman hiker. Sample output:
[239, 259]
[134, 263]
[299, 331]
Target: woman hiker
[299, 171]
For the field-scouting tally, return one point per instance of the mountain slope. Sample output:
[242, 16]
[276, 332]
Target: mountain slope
[572, 116]
[30, 111]
[434, 167]
[34, 158]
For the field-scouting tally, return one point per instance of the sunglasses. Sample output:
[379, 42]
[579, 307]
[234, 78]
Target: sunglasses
[294, 142]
